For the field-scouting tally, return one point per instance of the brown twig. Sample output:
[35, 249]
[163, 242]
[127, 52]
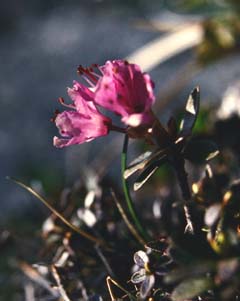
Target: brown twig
[59, 215]
[57, 278]
[186, 193]
[126, 220]
[35, 276]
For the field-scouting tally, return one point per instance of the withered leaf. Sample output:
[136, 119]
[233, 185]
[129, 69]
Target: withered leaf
[191, 288]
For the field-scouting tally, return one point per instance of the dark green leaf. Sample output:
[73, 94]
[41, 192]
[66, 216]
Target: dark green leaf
[172, 127]
[158, 246]
[200, 151]
[181, 256]
[188, 272]
[138, 163]
[191, 112]
[148, 172]
[140, 158]
[191, 288]
[143, 160]
[160, 135]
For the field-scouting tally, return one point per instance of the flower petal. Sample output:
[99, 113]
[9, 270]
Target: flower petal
[83, 98]
[135, 120]
[62, 142]
[125, 90]
[138, 276]
[141, 258]
[146, 286]
[76, 128]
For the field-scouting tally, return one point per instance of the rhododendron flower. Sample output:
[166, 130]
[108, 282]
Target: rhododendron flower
[84, 122]
[117, 86]
[125, 90]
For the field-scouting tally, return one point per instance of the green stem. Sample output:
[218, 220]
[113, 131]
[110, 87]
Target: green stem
[126, 190]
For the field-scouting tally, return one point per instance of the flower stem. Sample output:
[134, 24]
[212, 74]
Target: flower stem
[126, 190]
[117, 129]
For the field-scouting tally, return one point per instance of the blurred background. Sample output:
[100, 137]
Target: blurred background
[180, 43]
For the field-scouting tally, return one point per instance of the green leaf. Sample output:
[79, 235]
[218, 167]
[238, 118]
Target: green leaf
[181, 255]
[190, 271]
[200, 151]
[191, 288]
[141, 158]
[172, 127]
[148, 172]
[136, 164]
[191, 113]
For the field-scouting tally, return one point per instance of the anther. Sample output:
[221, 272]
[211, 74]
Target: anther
[61, 100]
[55, 116]
[80, 70]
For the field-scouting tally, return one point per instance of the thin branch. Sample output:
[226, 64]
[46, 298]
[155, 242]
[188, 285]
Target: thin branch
[59, 215]
[59, 284]
[35, 276]
[126, 220]
[104, 260]
[29, 292]
[109, 280]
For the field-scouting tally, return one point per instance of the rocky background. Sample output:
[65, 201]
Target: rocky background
[41, 44]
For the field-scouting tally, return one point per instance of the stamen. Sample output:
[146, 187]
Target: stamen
[99, 68]
[81, 69]
[88, 81]
[96, 75]
[55, 116]
[89, 75]
[62, 102]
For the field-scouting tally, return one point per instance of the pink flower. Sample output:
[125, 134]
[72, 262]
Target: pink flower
[125, 90]
[84, 122]
[117, 86]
